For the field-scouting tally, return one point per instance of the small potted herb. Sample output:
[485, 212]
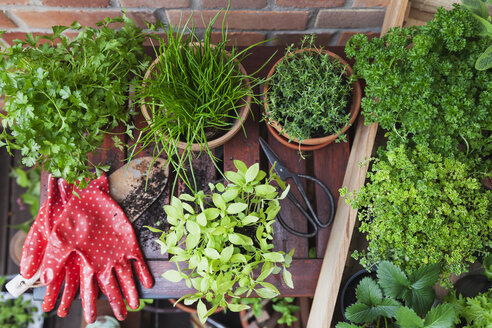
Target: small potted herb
[195, 96]
[19, 312]
[421, 207]
[266, 312]
[62, 95]
[228, 234]
[311, 97]
[399, 298]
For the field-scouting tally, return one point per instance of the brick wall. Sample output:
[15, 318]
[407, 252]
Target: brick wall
[249, 21]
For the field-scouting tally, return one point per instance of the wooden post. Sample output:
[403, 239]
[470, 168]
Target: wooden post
[336, 253]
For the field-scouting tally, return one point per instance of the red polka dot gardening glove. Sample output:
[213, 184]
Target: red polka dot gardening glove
[95, 228]
[35, 246]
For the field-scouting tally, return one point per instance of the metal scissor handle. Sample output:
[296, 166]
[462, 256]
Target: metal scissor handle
[311, 217]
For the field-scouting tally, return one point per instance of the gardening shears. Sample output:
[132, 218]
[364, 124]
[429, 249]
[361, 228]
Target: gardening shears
[281, 170]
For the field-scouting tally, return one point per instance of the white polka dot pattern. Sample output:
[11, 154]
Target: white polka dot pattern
[36, 242]
[94, 230]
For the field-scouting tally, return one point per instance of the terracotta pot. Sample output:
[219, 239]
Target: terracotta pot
[243, 114]
[16, 244]
[282, 137]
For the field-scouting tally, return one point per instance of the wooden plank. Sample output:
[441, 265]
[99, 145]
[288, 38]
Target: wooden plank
[284, 240]
[395, 15]
[336, 253]
[244, 148]
[304, 284]
[342, 228]
[5, 163]
[329, 167]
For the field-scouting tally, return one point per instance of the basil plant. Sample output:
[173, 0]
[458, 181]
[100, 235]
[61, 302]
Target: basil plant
[227, 251]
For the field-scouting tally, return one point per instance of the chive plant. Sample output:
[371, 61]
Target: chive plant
[194, 89]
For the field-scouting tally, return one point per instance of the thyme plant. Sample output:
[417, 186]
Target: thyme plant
[309, 93]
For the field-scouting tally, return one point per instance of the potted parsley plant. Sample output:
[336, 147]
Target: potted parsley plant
[62, 95]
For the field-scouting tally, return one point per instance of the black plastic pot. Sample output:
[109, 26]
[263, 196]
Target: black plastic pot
[471, 285]
[348, 296]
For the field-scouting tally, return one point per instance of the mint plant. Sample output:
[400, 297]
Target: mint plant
[421, 207]
[228, 233]
[309, 93]
[399, 298]
[15, 313]
[62, 95]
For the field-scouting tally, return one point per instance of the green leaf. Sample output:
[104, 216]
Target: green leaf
[346, 325]
[442, 316]
[172, 276]
[212, 253]
[368, 292]
[477, 7]
[201, 219]
[211, 213]
[219, 201]
[288, 278]
[187, 197]
[192, 227]
[241, 167]
[273, 257]
[407, 318]
[252, 172]
[485, 26]
[236, 208]
[235, 178]
[285, 193]
[153, 229]
[238, 258]
[249, 219]
[265, 190]
[192, 241]
[484, 61]
[230, 194]
[239, 239]
[237, 307]
[226, 254]
[420, 300]
[425, 276]
[202, 311]
[364, 313]
[392, 279]
[266, 292]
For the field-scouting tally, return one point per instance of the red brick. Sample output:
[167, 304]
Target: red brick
[256, 4]
[337, 18]
[46, 19]
[155, 3]
[242, 19]
[76, 3]
[370, 3]
[240, 38]
[280, 39]
[5, 22]
[310, 3]
[15, 2]
[345, 36]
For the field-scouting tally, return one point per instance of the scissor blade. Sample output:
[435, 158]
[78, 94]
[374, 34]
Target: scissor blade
[279, 168]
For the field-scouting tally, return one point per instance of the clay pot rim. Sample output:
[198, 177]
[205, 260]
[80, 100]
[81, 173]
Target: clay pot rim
[238, 124]
[304, 144]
